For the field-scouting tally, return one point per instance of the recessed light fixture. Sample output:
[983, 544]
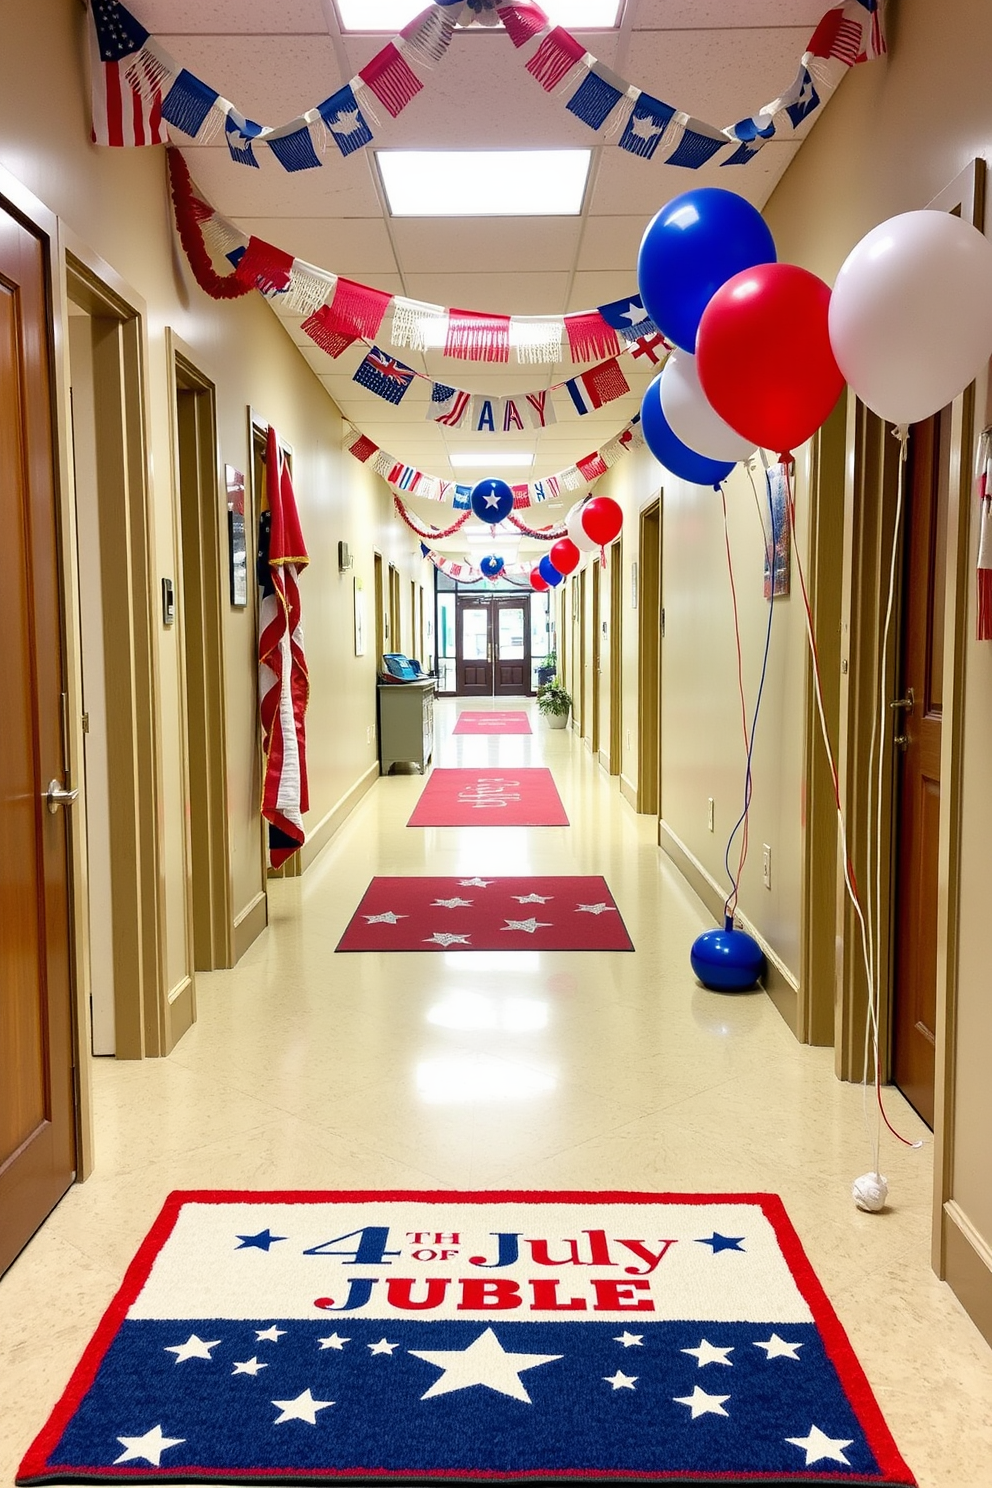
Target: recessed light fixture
[483, 460]
[484, 183]
[390, 15]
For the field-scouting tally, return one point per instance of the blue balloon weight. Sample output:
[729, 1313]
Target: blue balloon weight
[692, 246]
[492, 566]
[727, 960]
[548, 572]
[668, 448]
[492, 500]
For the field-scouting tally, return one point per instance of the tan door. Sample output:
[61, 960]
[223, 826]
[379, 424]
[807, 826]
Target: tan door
[919, 733]
[394, 637]
[380, 627]
[616, 656]
[581, 619]
[596, 658]
[37, 1115]
[649, 663]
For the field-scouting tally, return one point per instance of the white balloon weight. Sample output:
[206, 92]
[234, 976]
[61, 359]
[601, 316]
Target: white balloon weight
[911, 314]
[691, 415]
[578, 534]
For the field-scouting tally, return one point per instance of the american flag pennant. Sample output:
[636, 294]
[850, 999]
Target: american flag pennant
[385, 376]
[452, 411]
[124, 113]
[344, 121]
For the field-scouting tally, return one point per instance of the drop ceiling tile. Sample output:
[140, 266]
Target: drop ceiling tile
[343, 188]
[357, 247]
[628, 180]
[497, 245]
[591, 288]
[230, 17]
[611, 244]
[509, 294]
[272, 81]
[719, 76]
[723, 14]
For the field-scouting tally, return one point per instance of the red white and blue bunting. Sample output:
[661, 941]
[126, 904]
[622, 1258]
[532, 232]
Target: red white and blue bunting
[141, 92]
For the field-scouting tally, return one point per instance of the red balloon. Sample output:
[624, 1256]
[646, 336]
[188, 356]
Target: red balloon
[565, 555]
[601, 520]
[538, 581]
[764, 358]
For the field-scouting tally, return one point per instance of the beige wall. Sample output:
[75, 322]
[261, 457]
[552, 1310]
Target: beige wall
[114, 206]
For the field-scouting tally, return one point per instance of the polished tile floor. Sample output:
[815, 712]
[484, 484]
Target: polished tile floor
[531, 1070]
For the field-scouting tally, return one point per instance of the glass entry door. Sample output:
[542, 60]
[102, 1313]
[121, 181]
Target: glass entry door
[493, 646]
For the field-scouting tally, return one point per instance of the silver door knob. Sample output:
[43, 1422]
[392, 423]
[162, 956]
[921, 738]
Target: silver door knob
[59, 796]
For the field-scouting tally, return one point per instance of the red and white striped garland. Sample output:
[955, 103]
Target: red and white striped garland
[428, 532]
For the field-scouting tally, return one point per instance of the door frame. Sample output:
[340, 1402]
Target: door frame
[616, 656]
[595, 657]
[502, 600]
[465, 602]
[649, 612]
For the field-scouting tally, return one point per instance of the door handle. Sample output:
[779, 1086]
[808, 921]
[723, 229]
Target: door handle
[906, 703]
[59, 796]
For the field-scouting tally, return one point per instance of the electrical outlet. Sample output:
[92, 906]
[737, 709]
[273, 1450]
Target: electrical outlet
[766, 865]
[709, 813]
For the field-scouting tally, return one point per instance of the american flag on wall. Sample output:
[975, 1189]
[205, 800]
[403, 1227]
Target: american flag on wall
[122, 115]
[283, 684]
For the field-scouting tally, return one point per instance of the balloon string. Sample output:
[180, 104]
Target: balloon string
[743, 819]
[849, 876]
[730, 906]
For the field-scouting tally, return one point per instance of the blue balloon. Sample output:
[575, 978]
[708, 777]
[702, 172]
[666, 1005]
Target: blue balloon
[492, 500]
[692, 246]
[727, 960]
[668, 448]
[548, 572]
[492, 566]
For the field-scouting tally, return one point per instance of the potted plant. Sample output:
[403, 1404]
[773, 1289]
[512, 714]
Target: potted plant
[556, 704]
[546, 673]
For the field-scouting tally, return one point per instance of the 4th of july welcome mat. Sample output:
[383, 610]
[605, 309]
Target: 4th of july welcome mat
[452, 1337]
[489, 798]
[492, 723]
[486, 914]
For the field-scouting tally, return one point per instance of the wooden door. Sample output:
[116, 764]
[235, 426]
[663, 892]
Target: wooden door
[511, 647]
[580, 619]
[474, 647]
[393, 632]
[380, 621]
[918, 729]
[616, 656]
[37, 1112]
[649, 663]
[597, 657]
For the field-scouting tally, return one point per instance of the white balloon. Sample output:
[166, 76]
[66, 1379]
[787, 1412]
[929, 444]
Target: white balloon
[578, 534]
[911, 314]
[691, 415]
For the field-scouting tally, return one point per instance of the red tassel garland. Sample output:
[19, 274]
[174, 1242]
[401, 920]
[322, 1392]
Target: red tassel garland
[188, 220]
[555, 57]
[592, 466]
[475, 336]
[265, 267]
[522, 22]
[363, 448]
[357, 309]
[391, 78]
[590, 338]
[323, 334]
[544, 534]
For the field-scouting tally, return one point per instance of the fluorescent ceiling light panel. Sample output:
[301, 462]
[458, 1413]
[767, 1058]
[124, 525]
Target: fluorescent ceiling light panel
[484, 183]
[484, 460]
[390, 15]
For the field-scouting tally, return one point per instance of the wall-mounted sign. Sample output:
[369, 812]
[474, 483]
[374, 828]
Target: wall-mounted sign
[237, 536]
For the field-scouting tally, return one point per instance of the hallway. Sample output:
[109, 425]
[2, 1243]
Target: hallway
[484, 1070]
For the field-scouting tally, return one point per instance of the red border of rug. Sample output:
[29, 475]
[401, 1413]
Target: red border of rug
[470, 722]
[504, 797]
[835, 1340]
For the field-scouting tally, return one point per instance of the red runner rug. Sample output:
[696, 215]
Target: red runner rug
[489, 798]
[492, 723]
[486, 914]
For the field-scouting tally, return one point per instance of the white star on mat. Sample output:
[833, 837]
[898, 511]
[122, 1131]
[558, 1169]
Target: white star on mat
[382, 1347]
[777, 1348]
[596, 909]
[818, 1446]
[645, 128]
[620, 1381]
[148, 1448]
[335, 1341]
[484, 1362]
[389, 918]
[303, 1408]
[452, 903]
[630, 1340]
[475, 883]
[270, 1335]
[442, 938]
[248, 1366]
[529, 925]
[634, 312]
[193, 1348]
[708, 1353]
[345, 123]
[702, 1404]
[532, 898]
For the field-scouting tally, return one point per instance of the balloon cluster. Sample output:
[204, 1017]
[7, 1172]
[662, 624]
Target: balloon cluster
[590, 525]
[762, 349]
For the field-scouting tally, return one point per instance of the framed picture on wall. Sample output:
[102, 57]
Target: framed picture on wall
[359, 617]
[237, 536]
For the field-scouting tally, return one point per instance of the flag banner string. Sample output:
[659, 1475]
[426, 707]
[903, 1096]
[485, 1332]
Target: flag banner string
[467, 573]
[340, 313]
[414, 482]
[141, 94]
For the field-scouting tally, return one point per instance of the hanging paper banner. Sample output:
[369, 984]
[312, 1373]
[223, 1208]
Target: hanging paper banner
[385, 376]
[138, 89]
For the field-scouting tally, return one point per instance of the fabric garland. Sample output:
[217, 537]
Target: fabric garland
[138, 89]
[428, 532]
[466, 573]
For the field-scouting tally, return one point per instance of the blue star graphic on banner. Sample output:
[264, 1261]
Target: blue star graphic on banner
[262, 1241]
[723, 1242]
